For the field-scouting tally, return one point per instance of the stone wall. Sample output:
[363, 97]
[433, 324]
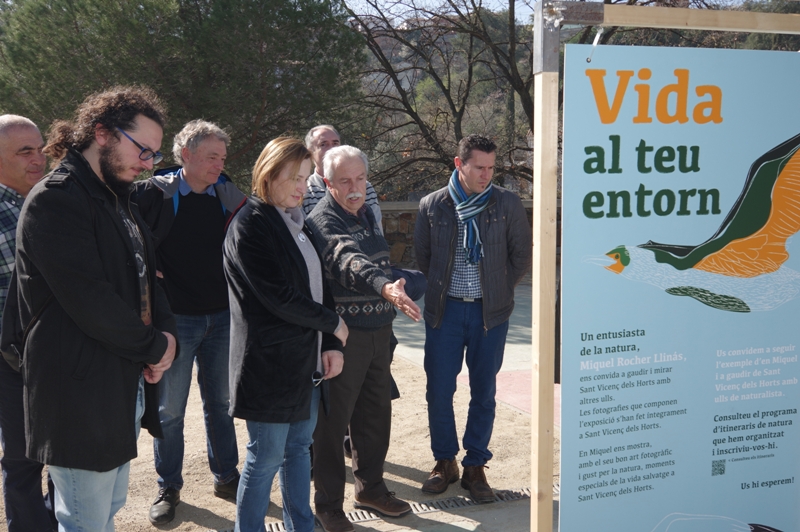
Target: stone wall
[399, 218]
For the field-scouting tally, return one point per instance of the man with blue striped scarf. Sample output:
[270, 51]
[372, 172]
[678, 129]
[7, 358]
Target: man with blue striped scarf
[473, 242]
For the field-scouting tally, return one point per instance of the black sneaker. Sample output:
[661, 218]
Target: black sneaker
[227, 490]
[163, 509]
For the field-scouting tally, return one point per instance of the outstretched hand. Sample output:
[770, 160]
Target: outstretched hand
[395, 293]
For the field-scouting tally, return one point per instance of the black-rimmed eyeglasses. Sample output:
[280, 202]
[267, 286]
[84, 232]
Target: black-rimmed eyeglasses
[146, 154]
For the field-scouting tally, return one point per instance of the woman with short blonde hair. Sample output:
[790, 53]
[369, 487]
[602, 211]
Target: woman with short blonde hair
[286, 337]
[283, 152]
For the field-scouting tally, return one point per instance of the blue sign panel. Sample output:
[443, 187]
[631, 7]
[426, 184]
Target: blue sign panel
[681, 290]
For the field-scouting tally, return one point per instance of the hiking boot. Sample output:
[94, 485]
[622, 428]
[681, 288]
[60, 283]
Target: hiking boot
[334, 521]
[228, 489]
[474, 480]
[444, 473]
[163, 509]
[387, 504]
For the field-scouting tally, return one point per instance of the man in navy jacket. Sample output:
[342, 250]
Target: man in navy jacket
[187, 208]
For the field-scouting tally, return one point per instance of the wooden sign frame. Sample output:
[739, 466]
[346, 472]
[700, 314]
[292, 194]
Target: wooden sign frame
[549, 17]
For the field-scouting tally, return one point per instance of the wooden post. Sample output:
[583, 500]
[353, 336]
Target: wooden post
[544, 294]
[543, 303]
[699, 19]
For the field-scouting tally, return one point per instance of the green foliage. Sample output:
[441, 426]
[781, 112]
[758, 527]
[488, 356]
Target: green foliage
[437, 72]
[258, 68]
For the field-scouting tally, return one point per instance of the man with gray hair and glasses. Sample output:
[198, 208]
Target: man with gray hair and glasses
[187, 208]
[21, 166]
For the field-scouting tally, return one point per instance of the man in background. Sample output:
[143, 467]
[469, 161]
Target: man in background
[21, 166]
[319, 140]
[187, 208]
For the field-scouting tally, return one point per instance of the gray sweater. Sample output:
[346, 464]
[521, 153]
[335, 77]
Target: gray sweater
[356, 263]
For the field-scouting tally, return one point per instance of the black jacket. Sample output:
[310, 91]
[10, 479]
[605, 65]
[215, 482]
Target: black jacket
[274, 320]
[158, 199]
[85, 353]
[507, 246]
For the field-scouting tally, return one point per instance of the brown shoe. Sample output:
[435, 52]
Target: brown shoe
[335, 521]
[474, 480]
[444, 473]
[387, 505]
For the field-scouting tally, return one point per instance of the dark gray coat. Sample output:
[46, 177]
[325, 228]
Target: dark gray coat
[85, 354]
[507, 247]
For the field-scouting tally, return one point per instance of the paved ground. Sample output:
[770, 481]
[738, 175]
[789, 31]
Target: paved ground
[408, 462]
[514, 380]
[514, 390]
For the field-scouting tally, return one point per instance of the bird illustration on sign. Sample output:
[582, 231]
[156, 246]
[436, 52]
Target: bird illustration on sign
[740, 268]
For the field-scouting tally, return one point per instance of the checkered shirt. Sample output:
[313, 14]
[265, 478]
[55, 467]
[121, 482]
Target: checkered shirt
[465, 282]
[10, 204]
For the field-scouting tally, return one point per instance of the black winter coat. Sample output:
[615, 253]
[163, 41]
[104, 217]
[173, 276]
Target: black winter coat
[85, 354]
[274, 320]
[507, 246]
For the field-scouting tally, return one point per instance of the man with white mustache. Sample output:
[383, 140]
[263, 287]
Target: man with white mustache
[355, 257]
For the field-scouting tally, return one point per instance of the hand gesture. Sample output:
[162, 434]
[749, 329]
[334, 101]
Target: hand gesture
[395, 293]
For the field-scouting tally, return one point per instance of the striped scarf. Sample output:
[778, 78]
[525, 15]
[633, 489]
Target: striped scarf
[468, 208]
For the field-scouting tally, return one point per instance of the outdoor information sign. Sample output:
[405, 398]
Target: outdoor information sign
[681, 290]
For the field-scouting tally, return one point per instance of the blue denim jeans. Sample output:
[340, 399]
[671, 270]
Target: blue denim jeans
[275, 447]
[86, 501]
[462, 327]
[27, 509]
[205, 340]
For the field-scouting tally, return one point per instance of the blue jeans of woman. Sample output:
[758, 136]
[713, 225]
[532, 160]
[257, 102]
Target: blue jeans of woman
[273, 448]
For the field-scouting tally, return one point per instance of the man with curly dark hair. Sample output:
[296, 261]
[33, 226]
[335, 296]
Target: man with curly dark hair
[98, 332]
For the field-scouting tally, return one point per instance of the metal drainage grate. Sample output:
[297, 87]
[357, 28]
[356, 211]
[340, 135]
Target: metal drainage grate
[361, 516]
[277, 526]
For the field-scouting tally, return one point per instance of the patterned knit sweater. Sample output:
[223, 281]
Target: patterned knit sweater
[356, 263]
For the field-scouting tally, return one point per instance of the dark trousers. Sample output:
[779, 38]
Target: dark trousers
[360, 396]
[27, 509]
